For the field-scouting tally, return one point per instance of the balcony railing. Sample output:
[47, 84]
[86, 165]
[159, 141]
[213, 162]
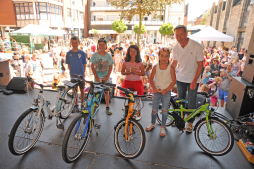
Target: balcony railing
[157, 23]
[105, 8]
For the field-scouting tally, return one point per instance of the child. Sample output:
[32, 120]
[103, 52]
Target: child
[205, 88]
[133, 68]
[102, 64]
[165, 79]
[56, 81]
[76, 61]
[118, 58]
[28, 66]
[215, 86]
[206, 75]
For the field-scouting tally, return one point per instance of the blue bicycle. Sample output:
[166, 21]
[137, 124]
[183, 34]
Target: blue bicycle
[77, 135]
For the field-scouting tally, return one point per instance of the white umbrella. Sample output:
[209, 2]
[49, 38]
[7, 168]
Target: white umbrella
[211, 34]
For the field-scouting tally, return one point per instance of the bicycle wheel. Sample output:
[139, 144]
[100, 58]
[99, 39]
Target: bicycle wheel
[135, 144]
[169, 121]
[222, 141]
[67, 105]
[25, 132]
[73, 143]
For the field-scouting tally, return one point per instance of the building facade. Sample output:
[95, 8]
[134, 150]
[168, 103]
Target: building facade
[65, 15]
[234, 18]
[101, 15]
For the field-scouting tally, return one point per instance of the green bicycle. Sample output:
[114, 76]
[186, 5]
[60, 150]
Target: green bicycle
[212, 135]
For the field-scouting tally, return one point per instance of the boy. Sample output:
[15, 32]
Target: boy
[76, 61]
[102, 64]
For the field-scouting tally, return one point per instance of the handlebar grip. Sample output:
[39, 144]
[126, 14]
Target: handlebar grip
[123, 89]
[80, 77]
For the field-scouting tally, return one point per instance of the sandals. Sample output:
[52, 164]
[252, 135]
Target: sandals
[163, 132]
[189, 127]
[150, 127]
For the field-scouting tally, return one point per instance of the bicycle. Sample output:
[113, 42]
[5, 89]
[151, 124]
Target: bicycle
[129, 139]
[77, 135]
[209, 131]
[28, 127]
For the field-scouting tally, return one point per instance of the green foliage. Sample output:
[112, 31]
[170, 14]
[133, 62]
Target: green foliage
[95, 31]
[142, 31]
[205, 17]
[119, 26]
[130, 8]
[166, 29]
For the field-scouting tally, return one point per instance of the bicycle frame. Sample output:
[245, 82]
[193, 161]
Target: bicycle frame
[130, 106]
[194, 112]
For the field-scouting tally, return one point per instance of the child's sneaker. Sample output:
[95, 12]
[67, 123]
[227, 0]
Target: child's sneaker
[108, 111]
[75, 108]
[163, 132]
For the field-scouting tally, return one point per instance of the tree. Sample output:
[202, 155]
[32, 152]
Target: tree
[142, 31]
[142, 8]
[166, 29]
[119, 26]
[95, 31]
[206, 14]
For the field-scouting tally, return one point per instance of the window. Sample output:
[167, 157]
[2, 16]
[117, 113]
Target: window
[174, 20]
[74, 17]
[73, 2]
[224, 5]
[236, 2]
[24, 11]
[246, 14]
[81, 17]
[176, 8]
[215, 11]
[146, 18]
[68, 12]
[227, 14]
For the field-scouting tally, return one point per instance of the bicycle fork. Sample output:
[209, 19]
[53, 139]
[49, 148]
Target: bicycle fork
[131, 107]
[209, 127]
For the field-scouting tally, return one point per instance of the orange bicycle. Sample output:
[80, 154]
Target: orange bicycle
[129, 136]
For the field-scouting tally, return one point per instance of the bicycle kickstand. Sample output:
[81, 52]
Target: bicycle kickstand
[96, 126]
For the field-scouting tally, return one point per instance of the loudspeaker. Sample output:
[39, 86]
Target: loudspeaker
[240, 99]
[248, 72]
[5, 75]
[19, 84]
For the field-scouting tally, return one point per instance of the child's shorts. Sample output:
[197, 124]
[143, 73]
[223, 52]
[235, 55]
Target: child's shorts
[223, 95]
[214, 99]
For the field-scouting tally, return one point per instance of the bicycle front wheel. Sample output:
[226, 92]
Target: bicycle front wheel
[222, 139]
[68, 103]
[25, 132]
[169, 120]
[75, 140]
[135, 143]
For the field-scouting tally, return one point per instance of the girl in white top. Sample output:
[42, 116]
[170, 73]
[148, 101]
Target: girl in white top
[165, 79]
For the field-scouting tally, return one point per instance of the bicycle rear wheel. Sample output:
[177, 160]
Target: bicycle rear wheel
[222, 141]
[25, 132]
[73, 143]
[135, 144]
[169, 121]
[67, 105]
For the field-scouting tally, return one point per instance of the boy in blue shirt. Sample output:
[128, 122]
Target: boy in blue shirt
[102, 64]
[76, 61]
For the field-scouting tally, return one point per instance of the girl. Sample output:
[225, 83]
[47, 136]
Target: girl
[133, 68]
[223, 61]
[28, 67]
[243, 63]
[118, 58]
[214, 67]
[165, 79]
[236, 67]
[147, 65]
[215, 87]
[206, 75]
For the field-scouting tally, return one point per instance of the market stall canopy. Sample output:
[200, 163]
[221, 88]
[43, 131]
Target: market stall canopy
[34, 30]
[211, 34]
[60, 32]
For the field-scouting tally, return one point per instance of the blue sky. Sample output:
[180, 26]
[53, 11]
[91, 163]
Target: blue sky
[197, 7]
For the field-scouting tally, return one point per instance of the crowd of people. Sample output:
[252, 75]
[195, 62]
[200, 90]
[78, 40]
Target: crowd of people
[151, 69]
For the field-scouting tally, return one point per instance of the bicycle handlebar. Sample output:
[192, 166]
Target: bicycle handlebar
[127, 91]
[206, 94]
[81, 78]
[42, 86]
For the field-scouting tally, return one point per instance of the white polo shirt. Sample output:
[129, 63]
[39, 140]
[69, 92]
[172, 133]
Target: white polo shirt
[187, 58]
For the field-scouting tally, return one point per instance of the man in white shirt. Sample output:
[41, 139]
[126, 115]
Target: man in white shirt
[189, 55]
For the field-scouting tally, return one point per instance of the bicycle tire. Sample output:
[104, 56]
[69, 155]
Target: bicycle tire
[119, 139]
[221, 129]
[169, 121]
[69, 137]
[27, 130]
[66, 109]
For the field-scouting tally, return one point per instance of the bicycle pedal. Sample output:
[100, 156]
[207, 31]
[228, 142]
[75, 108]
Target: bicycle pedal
[60, 126]
[97, 126]
[49, 117]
